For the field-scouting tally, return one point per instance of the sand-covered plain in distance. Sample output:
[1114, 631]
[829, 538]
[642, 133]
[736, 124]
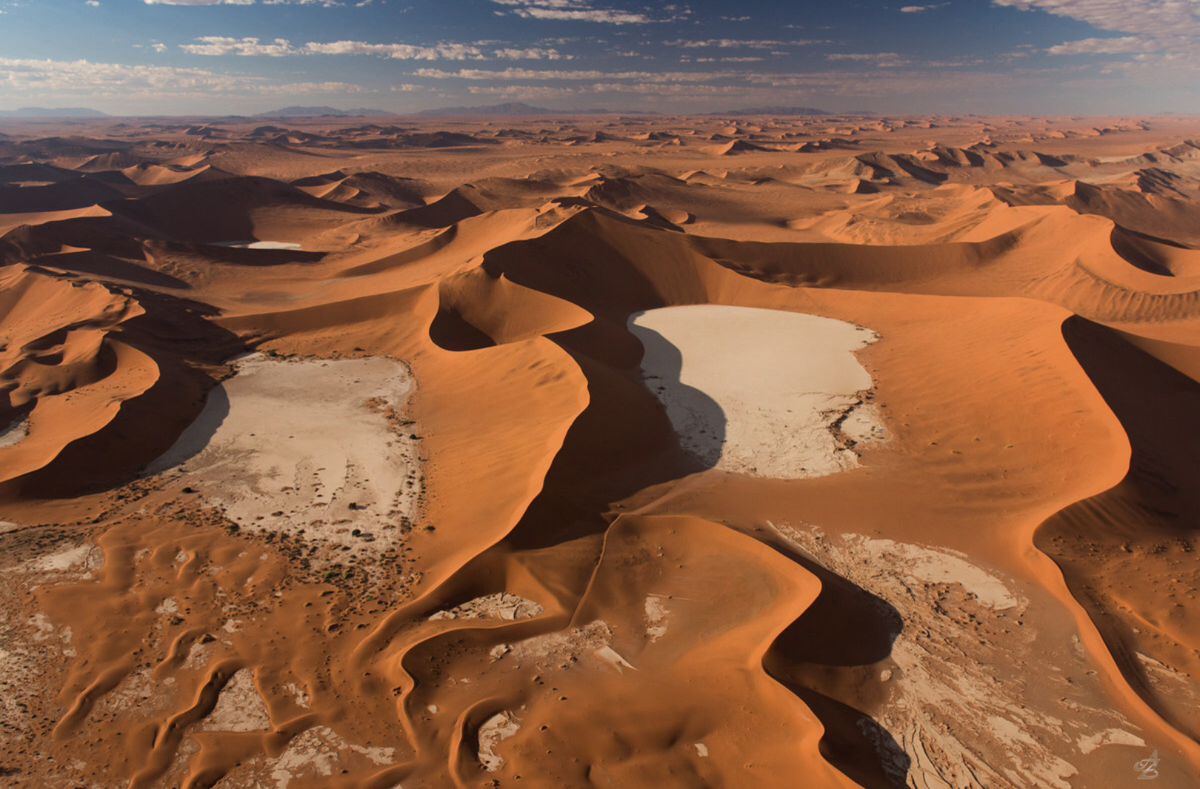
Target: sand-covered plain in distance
[644, 451]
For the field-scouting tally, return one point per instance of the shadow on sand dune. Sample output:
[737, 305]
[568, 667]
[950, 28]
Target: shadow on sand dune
[198, 434]
[706, 445]
[623, 443]
[185, 347]
[828, 657]
[1137, 557]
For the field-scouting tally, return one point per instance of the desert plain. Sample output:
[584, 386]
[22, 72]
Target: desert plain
[647, 451]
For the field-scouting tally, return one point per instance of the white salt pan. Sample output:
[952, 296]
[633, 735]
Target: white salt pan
[760, 392]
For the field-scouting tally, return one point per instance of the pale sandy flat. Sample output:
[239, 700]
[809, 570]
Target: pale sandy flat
[289, 445]
[757, 391]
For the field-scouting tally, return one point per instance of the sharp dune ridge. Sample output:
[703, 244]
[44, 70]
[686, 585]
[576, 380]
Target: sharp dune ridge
[551, 452]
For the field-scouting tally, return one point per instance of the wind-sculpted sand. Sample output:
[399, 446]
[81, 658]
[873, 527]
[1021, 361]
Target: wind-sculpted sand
[641, 452]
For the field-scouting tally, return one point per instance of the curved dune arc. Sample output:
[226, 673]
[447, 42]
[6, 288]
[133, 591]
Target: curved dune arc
[998, 265]
[63, 427]
[391, 322]
[437, 748]
[11, 221]
[715, 638]
[780, 594]
[591, 363]
[529, 427]
[455, 249]
[1065, 260]
[1007, 311]
[241, 208]
[477, 309]
[712, 627]
[501, 424]
[400, 662]
[1113, 674]
[1117, 675]
[1181, 356]
[379, 270]
[1124, 677]
[681, 280]
[740, 648]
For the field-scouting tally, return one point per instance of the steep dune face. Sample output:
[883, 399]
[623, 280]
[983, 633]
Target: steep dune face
[65, 375]
[1140, 522]
[672, 452]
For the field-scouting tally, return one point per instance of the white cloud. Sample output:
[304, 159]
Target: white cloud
[159, 47]
[732, 43]
[92, 3]
[572, 10]
[880, 59]
[678, 92]
[1102, 46]
[530, 53]
[1143, 16]
[1159, 33]
[724, 60]
[199, 2]
[220, 45]
[394, 51]
[920, 9]
[25, 76]
[542, 75]
[522, 91]
[324, 3]
[215, 46]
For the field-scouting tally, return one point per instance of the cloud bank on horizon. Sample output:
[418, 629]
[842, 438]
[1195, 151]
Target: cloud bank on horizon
[239, 56]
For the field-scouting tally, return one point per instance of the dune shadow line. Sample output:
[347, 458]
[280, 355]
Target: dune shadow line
[198, 434]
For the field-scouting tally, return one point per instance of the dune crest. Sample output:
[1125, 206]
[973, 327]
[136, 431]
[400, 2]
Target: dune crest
[647, 451]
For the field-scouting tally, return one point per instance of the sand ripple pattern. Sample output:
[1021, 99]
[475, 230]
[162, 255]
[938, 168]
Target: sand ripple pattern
[652, 452]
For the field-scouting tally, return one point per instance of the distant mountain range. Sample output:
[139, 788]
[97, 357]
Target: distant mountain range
[511, 109]
[320, 112]
[518, 108]
[53, 112]
[774, 111]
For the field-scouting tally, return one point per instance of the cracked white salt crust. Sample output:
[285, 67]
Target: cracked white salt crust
[304, 444]
[760, 392]
[495, 730]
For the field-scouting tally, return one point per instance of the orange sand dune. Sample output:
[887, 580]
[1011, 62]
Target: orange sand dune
[649, 452]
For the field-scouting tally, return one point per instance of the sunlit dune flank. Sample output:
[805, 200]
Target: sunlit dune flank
[565, 452]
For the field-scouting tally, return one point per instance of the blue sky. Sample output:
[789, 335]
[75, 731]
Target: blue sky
[245, 56]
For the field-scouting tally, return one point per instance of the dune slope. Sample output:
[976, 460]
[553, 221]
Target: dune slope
[641, 452]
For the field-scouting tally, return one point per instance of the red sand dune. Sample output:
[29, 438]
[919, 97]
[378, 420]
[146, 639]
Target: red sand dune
[558, 589]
